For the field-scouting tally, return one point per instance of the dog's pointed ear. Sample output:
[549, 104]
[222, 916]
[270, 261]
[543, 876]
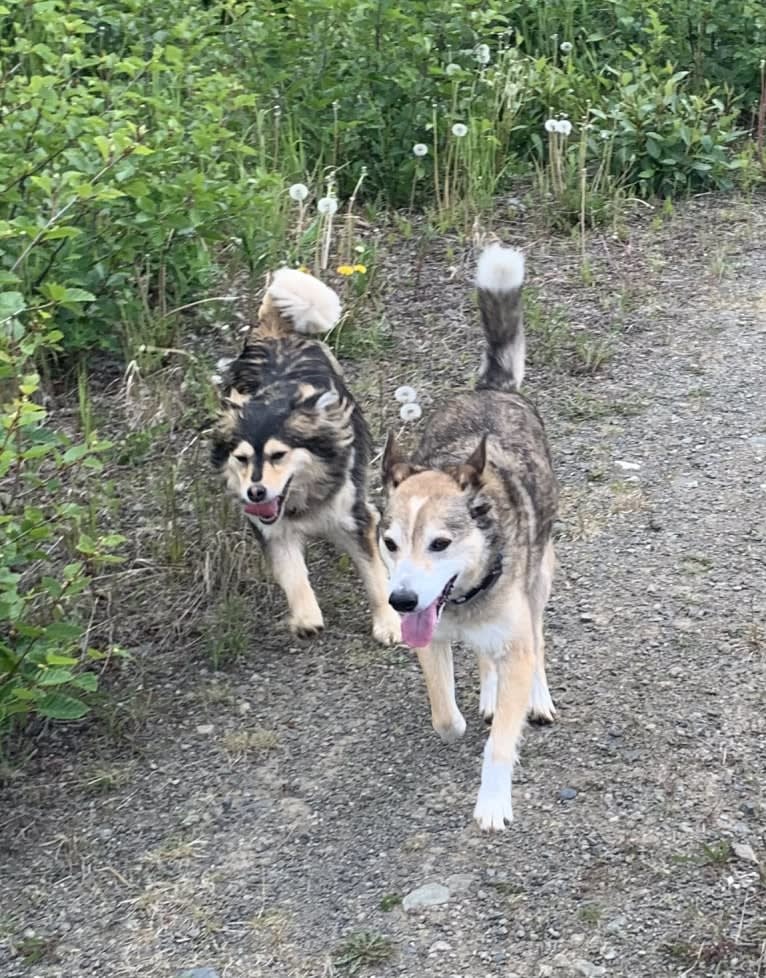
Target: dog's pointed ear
[469, 474]
[395, 467]
[319, 400]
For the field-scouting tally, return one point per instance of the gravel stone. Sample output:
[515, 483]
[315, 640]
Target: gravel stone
[428, 895]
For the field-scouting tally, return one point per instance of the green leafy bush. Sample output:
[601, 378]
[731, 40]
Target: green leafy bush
[125, 163]
[48, 547]
[147, 145]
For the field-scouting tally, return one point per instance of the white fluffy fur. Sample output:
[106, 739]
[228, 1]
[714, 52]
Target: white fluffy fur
[494, 806]
[309, 304]
[500, 269]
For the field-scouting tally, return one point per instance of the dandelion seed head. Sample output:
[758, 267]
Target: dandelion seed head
[551, 125]
[459, 130]
[405, 394]
[565, 47]
[327, 205]
[410, 412]
[298, 192]
[453, 68]
[420, 149]
[483, 54]
[564, 126]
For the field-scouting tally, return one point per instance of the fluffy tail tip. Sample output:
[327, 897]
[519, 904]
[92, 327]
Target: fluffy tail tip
[500, 269]
[309, 304]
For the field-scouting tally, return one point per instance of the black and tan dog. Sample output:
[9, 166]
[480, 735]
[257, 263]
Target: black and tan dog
[466, 535]
[294, 449]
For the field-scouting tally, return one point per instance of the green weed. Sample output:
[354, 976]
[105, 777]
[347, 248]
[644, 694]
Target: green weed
[362, 950]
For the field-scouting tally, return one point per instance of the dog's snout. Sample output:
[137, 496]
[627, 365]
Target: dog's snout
[256, 493]
[403, 600]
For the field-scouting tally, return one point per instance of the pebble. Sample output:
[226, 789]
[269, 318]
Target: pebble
[429, 895]
[616, 924]
[459, 883]
[587, 969]
[628, 466]
[198, 973]
[567, 794]
[440, 947]
[205, 729]
[744, 851]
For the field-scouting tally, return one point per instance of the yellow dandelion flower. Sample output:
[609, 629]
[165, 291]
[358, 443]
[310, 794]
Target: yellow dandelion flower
[303, 268]
[345, 270]
[362, 269]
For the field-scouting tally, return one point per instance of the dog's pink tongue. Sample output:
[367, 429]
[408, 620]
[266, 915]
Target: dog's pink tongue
[419, 627]
[263, 509]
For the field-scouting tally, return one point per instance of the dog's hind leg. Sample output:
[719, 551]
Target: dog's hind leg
[362, 547]
[289, 567]
[541, 707]
[438, 671]
[515, 671]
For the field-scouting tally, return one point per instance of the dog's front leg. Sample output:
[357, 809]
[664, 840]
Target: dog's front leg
[438, 671]
[289, 567]
[362, 547]
[515, 672]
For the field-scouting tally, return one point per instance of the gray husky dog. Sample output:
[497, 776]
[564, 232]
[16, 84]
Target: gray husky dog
[466, 536]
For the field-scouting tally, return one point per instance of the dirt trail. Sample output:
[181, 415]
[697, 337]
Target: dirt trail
[277, 808]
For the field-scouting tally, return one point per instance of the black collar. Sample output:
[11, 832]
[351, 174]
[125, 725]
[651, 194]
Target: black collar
[492, 577]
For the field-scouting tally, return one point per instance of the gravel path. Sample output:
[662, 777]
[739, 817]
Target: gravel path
[269, 819]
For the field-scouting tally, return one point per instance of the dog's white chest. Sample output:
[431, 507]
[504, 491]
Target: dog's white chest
[488, 638]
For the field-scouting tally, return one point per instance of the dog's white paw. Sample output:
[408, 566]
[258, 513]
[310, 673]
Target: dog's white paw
[387, 628]
[494, 806]
[493, 809]
[541, 708]
[488, 695]
[452, 730]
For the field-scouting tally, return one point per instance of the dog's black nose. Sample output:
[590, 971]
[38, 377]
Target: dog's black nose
[256, 493]
[403, 601]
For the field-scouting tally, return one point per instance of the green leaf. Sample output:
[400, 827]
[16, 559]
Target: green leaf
[63, 631]
[74, 454]
[11, 304]
[86, 545]
[79, 295]
[54, 659]
[112, 540]
[87, 681]
[57, 676]
[58, 706]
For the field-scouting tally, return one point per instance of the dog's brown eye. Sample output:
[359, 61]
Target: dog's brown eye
[440, 543]
[390, 544]
[242, 459]
[277, 457]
